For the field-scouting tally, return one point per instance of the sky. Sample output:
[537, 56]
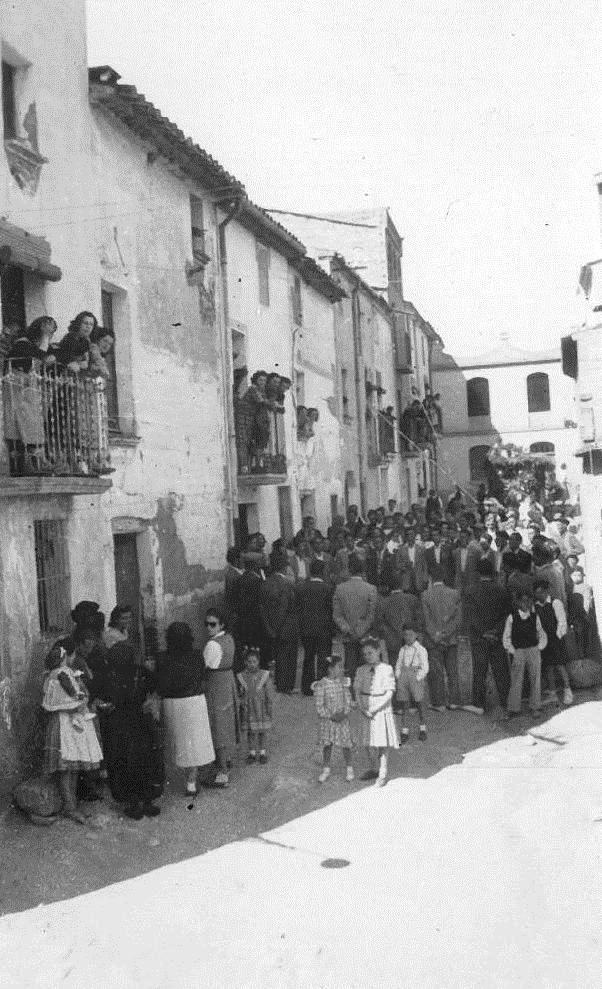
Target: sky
[478, 123]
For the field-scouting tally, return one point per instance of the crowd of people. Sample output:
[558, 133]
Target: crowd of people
[49, 424]
[375, 606]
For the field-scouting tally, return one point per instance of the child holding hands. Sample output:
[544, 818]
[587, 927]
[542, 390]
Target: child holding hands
[333, 702]
[374, 689]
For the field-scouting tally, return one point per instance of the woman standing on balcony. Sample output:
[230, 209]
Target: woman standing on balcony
[251, 417]
[24, 396]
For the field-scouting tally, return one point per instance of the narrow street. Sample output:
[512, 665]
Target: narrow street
[41, 865]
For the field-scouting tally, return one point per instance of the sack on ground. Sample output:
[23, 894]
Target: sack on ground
[584, 673]
[39, 796]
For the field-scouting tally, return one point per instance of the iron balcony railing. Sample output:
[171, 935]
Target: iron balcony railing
[54, 422]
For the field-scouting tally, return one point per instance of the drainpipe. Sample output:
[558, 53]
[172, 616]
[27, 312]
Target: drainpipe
[228, 377]
[357, 354]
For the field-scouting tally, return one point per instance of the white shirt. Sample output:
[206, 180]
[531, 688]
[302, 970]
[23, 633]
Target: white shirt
[542, 639]
[437, 552]
[212, 653]
[414, 657]
[412, 553]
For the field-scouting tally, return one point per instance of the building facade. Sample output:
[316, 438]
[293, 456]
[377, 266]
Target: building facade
[369, 247]
[504, 396]
[581, 362]
[55, 539]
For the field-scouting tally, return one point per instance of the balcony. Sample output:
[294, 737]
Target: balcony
[261, 449]
[55, 427]
[419, 428]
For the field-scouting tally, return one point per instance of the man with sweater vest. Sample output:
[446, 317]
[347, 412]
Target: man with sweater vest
[524, 638]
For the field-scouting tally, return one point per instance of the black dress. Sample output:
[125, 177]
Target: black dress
[130, 737]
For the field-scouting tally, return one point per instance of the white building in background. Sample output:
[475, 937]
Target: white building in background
[504, 396]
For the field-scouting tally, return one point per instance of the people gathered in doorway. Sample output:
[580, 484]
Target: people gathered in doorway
[368, 619]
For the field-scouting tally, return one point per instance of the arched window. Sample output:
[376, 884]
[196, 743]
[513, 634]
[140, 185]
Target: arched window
[477, 460]
[477, 397]
[542, 448]
[538, 392]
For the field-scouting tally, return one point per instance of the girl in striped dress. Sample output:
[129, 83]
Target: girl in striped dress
[333, 702]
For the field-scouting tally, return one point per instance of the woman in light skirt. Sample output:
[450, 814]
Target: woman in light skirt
[180, 673]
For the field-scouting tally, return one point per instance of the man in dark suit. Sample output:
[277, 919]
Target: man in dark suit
[314, 605]
[380, 564]
[319, 553]
[245, 602]
[486, 607]
[516, 559]
[278, 608]
[438, 558]
[411, 566]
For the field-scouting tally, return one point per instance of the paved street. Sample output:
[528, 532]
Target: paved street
[485, 874]
[40, 865]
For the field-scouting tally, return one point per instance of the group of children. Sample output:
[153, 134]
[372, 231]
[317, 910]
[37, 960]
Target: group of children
[374, 688]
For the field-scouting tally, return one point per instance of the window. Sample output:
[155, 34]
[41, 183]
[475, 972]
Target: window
[263, 271]
[52, 576]
[197, 229]
[9, 106]
[12, 289]
[300, 388]
[542, 448]
[108, 322]
[297, 301]
[538, 392]
[408, 348]
[477, 397]
[477, 462]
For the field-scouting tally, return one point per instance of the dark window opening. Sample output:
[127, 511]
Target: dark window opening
[542, 448]
[477, 397]
[13, 295]
[52, 576]
[477, 462]
[297, 301]
[9, 106]
[538, 392]
[197, 229]
[111, 386]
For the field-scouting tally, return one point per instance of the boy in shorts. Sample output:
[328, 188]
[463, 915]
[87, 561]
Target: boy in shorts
[410, 673]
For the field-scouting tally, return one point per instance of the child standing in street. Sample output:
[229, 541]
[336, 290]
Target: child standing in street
[257, 698]
[410, 674]
[71, 743]
[333, 702]
[374, 688]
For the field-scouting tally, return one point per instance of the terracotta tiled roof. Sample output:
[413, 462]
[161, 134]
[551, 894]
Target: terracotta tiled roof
[148, 123]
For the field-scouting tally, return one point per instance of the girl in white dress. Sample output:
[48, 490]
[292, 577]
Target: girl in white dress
[71, 744]
[374, 689]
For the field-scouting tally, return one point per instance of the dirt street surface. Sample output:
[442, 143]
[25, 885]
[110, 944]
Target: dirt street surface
[41, 865]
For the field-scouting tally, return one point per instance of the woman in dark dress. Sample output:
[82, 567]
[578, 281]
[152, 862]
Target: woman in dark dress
[180, 674]
[132, 754]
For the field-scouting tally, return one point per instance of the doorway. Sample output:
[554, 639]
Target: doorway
[127, 580]
[285, 511]
[13, 295]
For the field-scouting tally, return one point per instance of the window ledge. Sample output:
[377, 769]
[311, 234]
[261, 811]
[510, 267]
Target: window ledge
[19, 487]
[121, 439]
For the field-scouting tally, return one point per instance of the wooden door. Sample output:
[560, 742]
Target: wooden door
[127, 579]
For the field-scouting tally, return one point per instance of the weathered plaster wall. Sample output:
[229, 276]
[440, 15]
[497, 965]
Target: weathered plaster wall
[172, 477]
[52, 38]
